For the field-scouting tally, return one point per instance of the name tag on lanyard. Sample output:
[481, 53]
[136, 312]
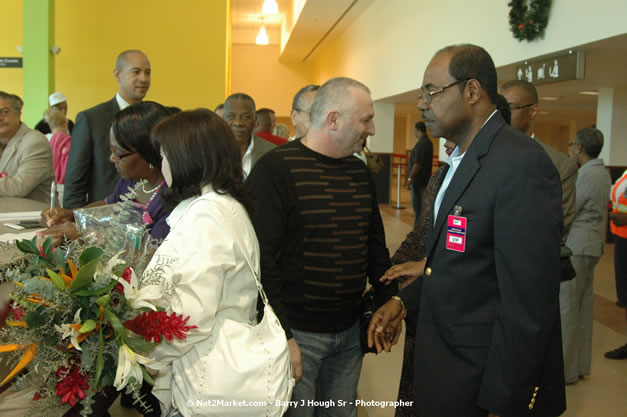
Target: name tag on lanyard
[456, 233]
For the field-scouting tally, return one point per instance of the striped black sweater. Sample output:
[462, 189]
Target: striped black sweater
[321, 237]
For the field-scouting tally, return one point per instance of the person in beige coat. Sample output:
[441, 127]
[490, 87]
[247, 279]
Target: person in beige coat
[25, 155]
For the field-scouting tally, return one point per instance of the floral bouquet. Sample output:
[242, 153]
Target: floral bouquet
[78, 323]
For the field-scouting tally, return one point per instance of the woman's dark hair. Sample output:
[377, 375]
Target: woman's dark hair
[201, 150]
[132, 127]
[503, 106]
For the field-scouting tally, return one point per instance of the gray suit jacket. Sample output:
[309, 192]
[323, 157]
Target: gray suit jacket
[260, 147]
[27, 161]
[567, 168]
[593, 189]
[89, 175]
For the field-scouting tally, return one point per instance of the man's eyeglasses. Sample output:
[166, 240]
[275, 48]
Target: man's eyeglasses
[427, 96]
[513, 106]
[120, 154]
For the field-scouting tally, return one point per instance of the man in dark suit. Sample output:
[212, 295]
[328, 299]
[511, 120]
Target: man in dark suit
[522, 98]
[488, 339]
[90, 176]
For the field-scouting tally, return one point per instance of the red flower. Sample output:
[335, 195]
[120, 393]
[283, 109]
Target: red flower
[155, 324]
[522, 25]
[127, 277]
[17, 311]
[71, 383]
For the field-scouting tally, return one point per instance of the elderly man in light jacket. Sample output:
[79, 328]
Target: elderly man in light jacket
[25, 155]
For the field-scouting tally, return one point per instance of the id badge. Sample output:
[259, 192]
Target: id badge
[456, 233]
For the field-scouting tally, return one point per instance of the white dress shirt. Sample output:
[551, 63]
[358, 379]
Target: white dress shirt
[453, 161]
[247, 159]
[203, 272]
[121, 102]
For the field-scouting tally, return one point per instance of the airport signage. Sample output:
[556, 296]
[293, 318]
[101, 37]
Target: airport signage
[561, 67]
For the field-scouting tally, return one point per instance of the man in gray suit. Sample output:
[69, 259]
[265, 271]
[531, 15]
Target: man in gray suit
[239, 113]
[586, 242]
[523, 102]
[90, 176]
[25, 155]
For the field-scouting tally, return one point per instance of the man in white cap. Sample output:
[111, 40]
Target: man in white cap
[58, 102]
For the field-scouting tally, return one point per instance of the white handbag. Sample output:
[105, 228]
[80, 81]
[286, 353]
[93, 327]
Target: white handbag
[250, 372]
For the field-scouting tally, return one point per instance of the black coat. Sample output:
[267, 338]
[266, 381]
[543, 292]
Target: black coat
[488, 329]
[89, 175]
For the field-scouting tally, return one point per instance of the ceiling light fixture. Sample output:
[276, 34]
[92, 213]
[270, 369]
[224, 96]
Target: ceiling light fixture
[589, 93]
[549, 98]
[270, 7]
[262, 36]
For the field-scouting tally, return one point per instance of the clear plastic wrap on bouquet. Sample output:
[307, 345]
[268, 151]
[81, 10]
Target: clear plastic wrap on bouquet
[117, 227]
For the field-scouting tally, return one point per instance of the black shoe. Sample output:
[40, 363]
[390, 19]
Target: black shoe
[620, 353]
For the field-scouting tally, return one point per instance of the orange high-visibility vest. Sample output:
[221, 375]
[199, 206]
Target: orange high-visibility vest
[619, 204]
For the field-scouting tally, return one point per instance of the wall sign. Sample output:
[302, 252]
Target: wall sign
[8, 62]
[563, 67]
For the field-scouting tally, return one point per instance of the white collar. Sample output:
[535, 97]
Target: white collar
[121, 102]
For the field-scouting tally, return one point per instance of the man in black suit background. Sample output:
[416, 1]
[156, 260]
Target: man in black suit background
[90, 176]
[488, 339]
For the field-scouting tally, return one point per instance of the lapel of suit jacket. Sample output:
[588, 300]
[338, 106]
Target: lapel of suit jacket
[11, 148]
[464, 174]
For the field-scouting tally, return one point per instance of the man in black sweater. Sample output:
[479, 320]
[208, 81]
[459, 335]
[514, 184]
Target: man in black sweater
[321, 238]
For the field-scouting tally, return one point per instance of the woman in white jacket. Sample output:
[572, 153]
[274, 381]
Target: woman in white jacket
[200, 266]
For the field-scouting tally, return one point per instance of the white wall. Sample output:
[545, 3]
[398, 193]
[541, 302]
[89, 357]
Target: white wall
[390, 44]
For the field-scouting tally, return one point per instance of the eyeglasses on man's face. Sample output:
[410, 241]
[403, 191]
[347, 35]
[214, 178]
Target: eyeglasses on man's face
[427, 96]
[513, 106]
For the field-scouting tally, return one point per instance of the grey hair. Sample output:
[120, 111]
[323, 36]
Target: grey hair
[591, 140]
[15, 100]
[333, 95]
[298, 98]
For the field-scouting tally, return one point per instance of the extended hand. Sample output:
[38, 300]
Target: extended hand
[386, 325]
[297, 366]
[409, 270]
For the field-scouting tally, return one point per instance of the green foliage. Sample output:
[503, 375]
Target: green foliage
[84, 276]
[528, 23]
[37, 317]
[89, 254]
[56, 280]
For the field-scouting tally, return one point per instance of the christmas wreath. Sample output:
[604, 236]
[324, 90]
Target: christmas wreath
[529, 22]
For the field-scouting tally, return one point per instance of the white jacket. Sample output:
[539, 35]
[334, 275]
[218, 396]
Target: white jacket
[202, 271]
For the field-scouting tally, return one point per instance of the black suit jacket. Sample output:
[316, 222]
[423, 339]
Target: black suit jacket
[89, 175]
[488, 329]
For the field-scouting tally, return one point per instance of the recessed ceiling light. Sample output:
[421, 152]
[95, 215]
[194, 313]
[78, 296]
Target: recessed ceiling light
[549, 98]
[589, 93]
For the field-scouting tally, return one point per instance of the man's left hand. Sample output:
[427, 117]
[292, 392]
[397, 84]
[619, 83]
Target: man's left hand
[386, 325]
